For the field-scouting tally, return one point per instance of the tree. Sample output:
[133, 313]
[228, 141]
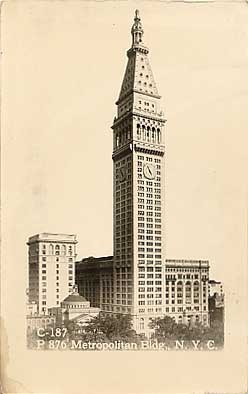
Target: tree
[167, 330]
[164, 328]
[111, 327]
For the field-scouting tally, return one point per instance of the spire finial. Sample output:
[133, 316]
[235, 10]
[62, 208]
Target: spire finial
[137, 31]
[136, 14]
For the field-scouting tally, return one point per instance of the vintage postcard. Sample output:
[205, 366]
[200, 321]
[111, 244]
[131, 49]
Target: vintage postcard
[124, 197]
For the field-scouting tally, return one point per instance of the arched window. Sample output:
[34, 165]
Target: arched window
[142, 324]
[44, 249]
[64, 250]
[51, 249]
[180, 289]
[138, 131]
[143, 133]
[159, 135]
[57, 249]
[153, 134]
[188, 292]
[196, 292]
[148, 133]
[117, 140]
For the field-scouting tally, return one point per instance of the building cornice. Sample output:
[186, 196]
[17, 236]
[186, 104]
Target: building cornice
[134, 113]
[131, 91]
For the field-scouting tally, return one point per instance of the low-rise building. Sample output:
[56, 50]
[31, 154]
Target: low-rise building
[34, 322]
[215, 302]
[215, 287]
[74, 308]
[216, 307]
[31, 308]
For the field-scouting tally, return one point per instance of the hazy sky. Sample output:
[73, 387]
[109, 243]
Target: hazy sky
[62, 73]
[63, 64]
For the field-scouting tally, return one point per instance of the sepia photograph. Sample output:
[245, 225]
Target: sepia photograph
[124, 197]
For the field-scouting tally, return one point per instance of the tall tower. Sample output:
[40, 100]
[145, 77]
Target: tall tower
[139, 176]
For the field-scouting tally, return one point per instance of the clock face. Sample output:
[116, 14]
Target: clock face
[149, 171]
[122, 173]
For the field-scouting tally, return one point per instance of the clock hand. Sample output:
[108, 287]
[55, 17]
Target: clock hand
[149, 170]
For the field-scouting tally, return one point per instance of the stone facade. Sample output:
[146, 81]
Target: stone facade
[51, 268]
[186, 291]
[94, 278]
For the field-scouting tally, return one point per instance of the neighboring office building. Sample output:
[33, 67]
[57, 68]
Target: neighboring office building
[186, 295]
[51, 268]
[94, 278]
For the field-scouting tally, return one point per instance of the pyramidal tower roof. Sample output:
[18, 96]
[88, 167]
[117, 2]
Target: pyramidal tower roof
[138, 76]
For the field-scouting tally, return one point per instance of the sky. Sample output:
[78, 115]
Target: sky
[62, 69]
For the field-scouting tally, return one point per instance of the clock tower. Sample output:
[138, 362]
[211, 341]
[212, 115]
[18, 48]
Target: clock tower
[139, 177]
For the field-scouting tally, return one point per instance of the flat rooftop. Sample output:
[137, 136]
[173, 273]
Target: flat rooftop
[52, 237]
